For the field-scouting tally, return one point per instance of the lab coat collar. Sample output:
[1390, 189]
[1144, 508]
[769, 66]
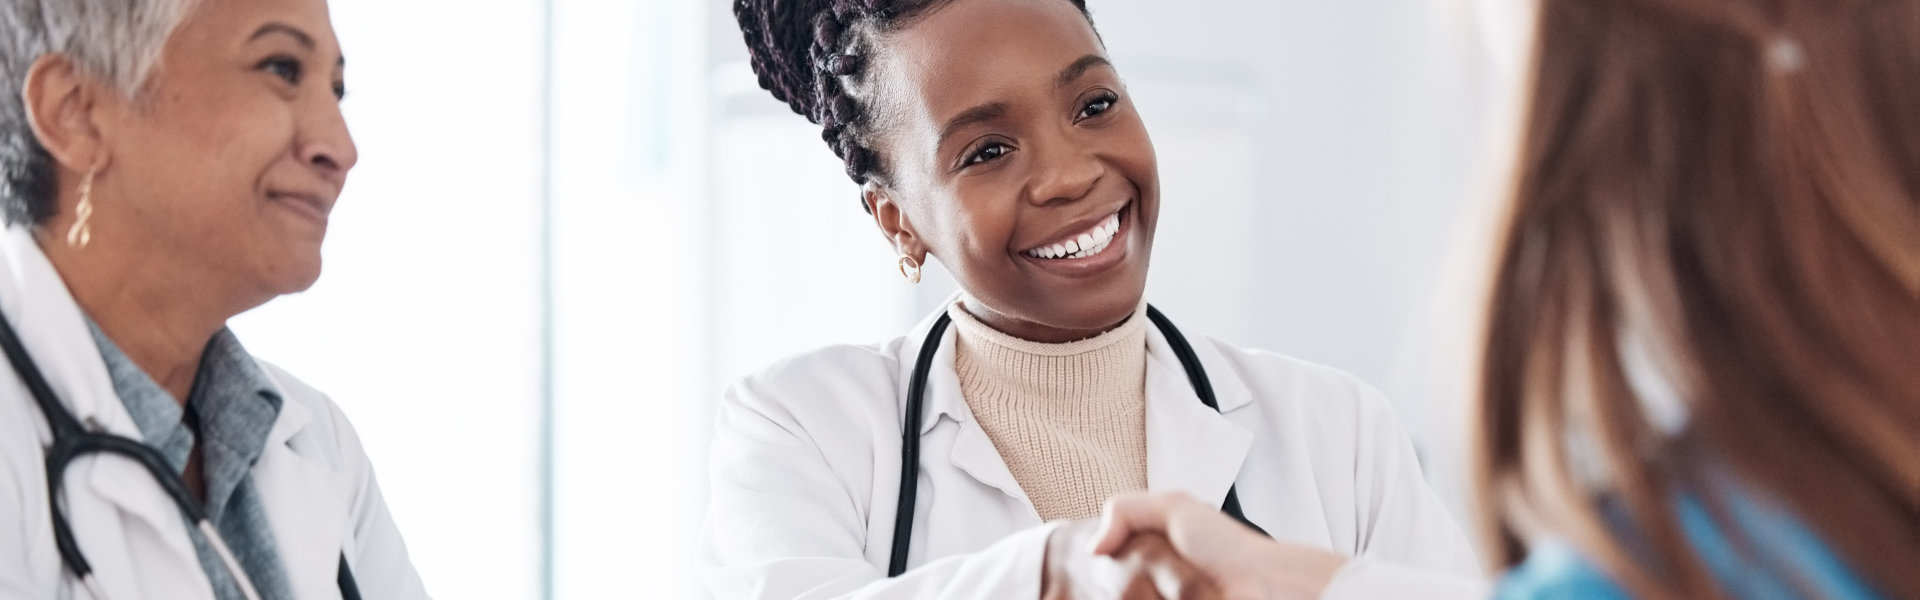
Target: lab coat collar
[294, 416]
[54, 332]
[1189, 447]
[1229, 388]
[302, 492]
[294, 482]
[973, 452]
[943, 385]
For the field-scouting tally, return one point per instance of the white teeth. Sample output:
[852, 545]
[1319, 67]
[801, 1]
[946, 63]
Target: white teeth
[1084, 245]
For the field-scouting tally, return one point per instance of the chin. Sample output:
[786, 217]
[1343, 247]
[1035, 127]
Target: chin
[1100, 310]
[293, 276]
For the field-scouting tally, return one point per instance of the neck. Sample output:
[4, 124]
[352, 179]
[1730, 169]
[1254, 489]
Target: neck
[159, 315]
[1031, 331]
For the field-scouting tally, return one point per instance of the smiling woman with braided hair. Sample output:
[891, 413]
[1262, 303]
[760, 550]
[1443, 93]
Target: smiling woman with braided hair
[996, 136]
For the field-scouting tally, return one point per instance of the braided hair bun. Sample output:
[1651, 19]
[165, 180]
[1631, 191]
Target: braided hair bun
[779, 35]
[799, 50]
[802, 51]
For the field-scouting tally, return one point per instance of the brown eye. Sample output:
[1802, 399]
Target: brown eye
[988, 153]
[285, 68]
[1097, 106]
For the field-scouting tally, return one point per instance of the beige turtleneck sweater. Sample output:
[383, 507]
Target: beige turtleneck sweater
[1068, 419]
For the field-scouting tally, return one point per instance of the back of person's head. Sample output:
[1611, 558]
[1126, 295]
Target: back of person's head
[1710, 267]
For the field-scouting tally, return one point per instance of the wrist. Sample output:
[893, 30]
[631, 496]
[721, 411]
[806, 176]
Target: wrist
[1058, 559]
[1297, 573]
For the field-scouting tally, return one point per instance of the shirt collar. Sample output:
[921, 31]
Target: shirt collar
[234, 399]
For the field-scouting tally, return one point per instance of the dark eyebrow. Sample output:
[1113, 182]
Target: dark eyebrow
[1080, 67]
[306, 41]
[977, 114]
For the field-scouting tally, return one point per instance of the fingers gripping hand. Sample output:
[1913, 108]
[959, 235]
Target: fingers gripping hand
[1237, 561]
[1144, 567]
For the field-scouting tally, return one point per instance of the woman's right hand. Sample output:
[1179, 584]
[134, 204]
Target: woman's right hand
[1144, 567]
[1235, 561]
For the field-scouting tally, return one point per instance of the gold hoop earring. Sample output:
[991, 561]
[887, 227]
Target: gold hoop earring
[910, 269]
[81, 233]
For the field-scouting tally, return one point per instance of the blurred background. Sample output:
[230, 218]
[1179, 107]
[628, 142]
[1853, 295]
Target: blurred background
[575, 221]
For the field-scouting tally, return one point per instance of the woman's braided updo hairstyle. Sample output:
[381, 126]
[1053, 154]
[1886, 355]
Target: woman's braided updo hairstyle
[806, 51]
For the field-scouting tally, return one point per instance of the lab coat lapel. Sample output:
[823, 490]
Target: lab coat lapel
[101, 490]
[973, 452]
[121, 500]
[304, 501]
[1191, 447]
[125, 483]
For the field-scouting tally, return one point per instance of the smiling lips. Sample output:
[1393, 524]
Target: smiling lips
[309, 205]
[1085, 245]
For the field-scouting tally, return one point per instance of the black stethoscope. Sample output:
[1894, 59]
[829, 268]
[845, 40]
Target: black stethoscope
[916, 399]
[71, 441]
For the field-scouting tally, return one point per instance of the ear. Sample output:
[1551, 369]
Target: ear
[893, 221]
[60, 102]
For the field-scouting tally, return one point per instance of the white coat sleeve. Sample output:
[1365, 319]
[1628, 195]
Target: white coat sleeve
[381, 568]
[784, 524]
[29, 567]
[1410, 546]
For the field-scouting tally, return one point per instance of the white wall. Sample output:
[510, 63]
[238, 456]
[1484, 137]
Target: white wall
[630, 303]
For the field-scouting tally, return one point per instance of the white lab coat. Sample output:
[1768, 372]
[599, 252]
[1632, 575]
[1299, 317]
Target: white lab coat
[806, 469]
[314, 479]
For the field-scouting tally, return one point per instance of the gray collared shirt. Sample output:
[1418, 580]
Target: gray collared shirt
[235, 406]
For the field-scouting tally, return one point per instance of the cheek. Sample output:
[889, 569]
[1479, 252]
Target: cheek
[980, 220]
[214, 148]
[1134, 156]
[241, 133]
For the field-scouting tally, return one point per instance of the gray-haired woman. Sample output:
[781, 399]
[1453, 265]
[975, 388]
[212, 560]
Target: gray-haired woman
[164, 166]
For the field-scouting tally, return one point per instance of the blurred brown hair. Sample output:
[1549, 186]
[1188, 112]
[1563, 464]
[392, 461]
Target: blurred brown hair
[1731, 185]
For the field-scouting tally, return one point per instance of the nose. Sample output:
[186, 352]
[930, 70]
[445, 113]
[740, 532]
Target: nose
[1064, 172]
[325, 144]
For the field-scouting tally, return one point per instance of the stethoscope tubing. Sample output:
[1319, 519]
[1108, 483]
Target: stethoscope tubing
[71, 440]
[916, 400]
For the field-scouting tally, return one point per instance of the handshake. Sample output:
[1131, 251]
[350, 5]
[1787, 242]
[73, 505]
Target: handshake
[1168, 545]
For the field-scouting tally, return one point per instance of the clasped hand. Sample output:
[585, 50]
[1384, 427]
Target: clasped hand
[1167, 545]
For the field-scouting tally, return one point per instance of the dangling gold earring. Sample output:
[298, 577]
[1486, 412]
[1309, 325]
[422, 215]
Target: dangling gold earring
[81, 233]
[910, 269]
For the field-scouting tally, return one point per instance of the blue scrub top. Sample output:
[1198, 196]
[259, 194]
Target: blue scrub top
[1786, 557]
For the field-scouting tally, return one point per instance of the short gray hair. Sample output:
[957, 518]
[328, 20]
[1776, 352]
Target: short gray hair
[116, 41]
